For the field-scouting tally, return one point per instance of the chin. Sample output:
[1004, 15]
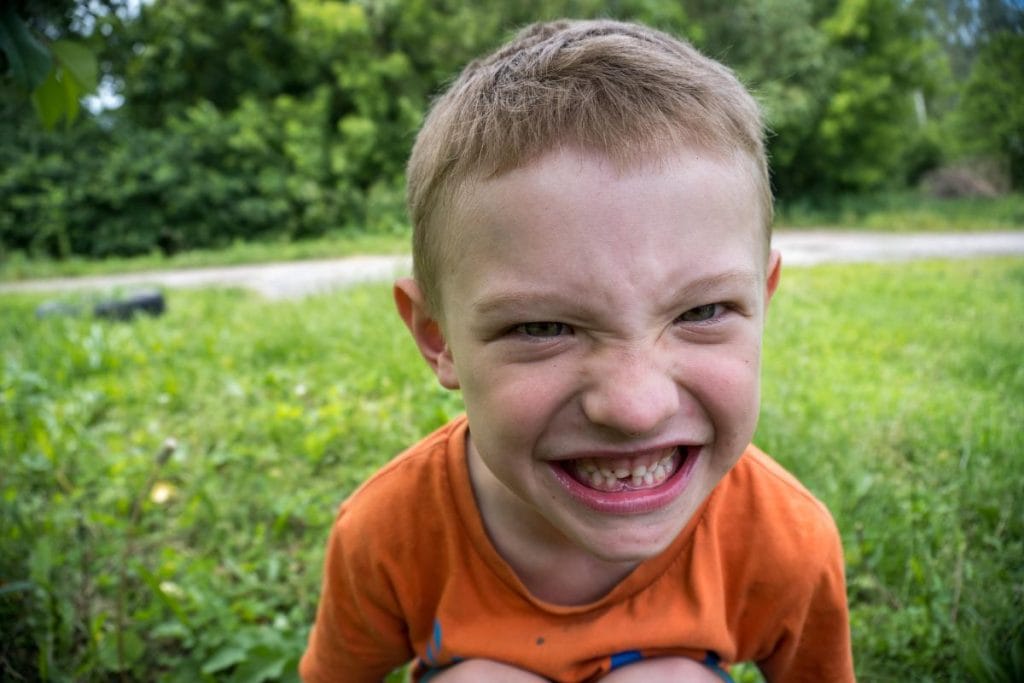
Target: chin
[624, 547]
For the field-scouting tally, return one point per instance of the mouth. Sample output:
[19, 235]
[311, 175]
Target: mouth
[635, 484]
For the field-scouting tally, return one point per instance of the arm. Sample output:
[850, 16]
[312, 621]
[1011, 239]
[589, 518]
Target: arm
[817, 646]
[359, 634]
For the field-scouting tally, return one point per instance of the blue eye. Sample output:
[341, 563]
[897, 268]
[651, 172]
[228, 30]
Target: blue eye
[699, 314]
[542, 330]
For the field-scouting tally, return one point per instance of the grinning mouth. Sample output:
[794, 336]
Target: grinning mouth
[645, 471]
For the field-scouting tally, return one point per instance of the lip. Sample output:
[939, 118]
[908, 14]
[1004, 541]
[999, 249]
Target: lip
[632, 502]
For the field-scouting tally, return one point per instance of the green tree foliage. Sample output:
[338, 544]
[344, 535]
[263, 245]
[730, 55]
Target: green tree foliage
[991, 114]
[244, 119]
[781, 53]
[216, 52]
[252, 119]
[883, 57]
[963, 28]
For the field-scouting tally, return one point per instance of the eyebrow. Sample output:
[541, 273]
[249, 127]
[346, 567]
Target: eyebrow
[729, 277]
[515, 299]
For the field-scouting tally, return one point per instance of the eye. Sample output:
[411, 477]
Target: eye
[699, 314]
[543, 330]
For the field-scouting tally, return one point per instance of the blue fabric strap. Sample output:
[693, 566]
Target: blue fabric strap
[713, 662]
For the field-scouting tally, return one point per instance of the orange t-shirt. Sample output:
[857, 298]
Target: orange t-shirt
[756, 575]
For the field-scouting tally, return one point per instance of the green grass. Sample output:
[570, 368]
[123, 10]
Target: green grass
[896, 393]
[18, 266]
[904, 212]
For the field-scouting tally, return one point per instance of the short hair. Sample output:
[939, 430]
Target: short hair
[623, 90]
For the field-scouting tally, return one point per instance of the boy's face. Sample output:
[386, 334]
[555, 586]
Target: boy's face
[605, 330]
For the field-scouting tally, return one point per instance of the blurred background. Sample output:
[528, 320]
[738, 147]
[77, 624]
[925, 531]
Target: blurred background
[160, 126]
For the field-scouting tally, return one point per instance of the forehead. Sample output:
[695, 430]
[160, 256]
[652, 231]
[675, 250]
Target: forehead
[569, 187]
[572, 215]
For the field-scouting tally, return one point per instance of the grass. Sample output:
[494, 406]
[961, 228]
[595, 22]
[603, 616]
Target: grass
[906, 211]
[896, 393]
[18, 266]
[892, 212]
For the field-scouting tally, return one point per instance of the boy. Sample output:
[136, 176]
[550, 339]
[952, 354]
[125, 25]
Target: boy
[591, 212]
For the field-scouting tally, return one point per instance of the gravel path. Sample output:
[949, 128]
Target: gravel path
[300, 278]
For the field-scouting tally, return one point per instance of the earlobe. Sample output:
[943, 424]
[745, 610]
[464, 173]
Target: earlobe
[426, 331]
[774, 272]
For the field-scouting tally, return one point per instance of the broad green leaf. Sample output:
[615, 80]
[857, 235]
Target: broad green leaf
[115, 658]
[224, 658]
[72, 91]
[49, 101]
[261, 664]
[30, 61]
[78, 61]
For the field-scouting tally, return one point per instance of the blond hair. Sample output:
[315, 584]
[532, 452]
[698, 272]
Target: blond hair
[622, 90]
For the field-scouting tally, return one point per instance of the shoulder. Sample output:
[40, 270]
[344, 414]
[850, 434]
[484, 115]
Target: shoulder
[407, 496]
[785, 570]
[778, 566]
[784, 505]
[775, 533]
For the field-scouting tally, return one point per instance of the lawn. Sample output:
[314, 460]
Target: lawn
[166, 485]
[905, 211]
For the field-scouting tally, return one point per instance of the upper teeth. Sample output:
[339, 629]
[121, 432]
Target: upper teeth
[608, 473]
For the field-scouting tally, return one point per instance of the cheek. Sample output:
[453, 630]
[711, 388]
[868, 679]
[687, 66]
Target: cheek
[727, 384]
[514, 399]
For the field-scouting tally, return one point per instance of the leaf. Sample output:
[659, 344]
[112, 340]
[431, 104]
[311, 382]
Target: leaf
[71, 94]
[226, 657]
[133, 648]
[49, 101]
[29, 59]
[78, 61]
[261, 664]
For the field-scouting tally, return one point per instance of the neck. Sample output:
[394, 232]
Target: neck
[570, 581]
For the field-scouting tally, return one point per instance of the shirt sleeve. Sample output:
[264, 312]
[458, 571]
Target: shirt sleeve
[359, 634]
[816, 644]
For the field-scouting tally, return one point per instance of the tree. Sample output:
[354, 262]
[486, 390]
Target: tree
[291, 118]
[990, 118]
[869, 126]
[781, 53]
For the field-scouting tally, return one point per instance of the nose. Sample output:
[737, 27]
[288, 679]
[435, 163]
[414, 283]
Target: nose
[631, 392]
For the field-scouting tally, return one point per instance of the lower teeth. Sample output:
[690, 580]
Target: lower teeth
[603, 479]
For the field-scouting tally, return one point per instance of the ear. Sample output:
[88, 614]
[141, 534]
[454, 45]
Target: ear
[426, 331]
[774, 273]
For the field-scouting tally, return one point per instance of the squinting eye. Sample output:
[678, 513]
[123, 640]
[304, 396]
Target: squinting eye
[542, 329]
[699, 314]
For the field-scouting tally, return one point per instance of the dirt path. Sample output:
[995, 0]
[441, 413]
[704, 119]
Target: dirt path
[300, 278]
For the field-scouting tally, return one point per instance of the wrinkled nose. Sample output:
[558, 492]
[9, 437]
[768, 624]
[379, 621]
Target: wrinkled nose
[631, 393]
